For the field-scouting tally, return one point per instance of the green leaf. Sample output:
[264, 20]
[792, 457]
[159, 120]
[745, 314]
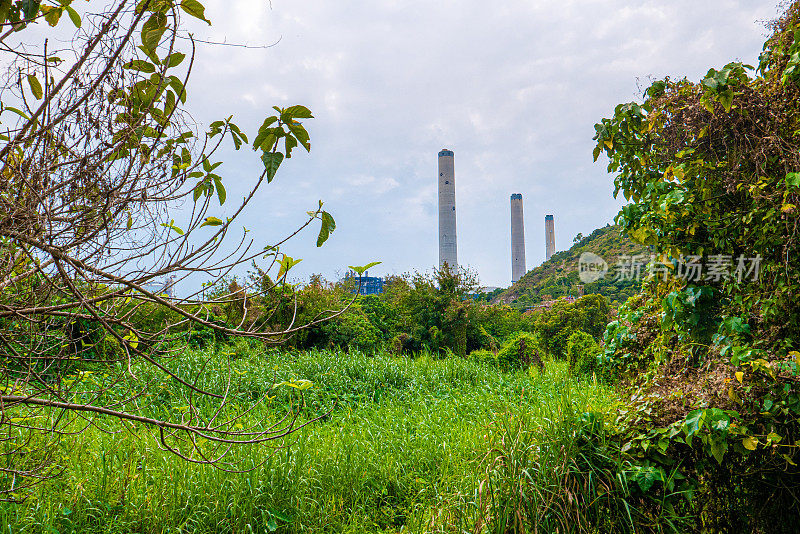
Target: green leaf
[152, 30]
[30, 8]
[172, 226]
[237, 135]
[73, 16]
[327, 228]
[361, 269]
[150, 54]
[36, 87]
[719, 445]
[221, 194]
[279, 516]
[291, 142]
[272, 160]
[269, 142]
[263, 131]
[129, 225]
[17, 111]
[726, 99]
[286, 263]
[177, 85]
[51, 14]
[174, 59]
[647, 476]
[211, 221]
[772, 437]
[199, 189]
[694, 422]
[301, 134]
[140, 65]
[301, 384]
[298, 112]
[750, 443]
[793, 179]
[195, 9]
[132, 339]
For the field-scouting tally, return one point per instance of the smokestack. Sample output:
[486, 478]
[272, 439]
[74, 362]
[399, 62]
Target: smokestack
[447, 210]
[549, 236]
[517, 239]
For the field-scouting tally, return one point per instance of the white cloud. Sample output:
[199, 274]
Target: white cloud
[514, 88]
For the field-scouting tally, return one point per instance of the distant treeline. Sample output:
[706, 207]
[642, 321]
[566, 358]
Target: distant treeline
[432, 312]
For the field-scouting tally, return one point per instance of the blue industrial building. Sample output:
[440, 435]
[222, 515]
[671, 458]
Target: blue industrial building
[366, 285]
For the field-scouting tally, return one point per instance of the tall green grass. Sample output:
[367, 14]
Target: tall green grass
[417, 445]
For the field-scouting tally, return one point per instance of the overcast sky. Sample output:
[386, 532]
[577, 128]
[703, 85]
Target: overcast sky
[513, 88]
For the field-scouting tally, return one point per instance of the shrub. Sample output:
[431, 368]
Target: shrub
[404, 344]
[353, 330]
[482, 355]
[554, 326]
[582, 353]
[519, 352]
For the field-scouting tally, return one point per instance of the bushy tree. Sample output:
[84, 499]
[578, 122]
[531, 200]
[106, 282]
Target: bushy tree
[435, 310]
[582, 351]
[554, 325]
[520, 352]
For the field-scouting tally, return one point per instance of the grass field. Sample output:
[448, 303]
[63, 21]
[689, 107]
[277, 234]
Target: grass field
[418, 445]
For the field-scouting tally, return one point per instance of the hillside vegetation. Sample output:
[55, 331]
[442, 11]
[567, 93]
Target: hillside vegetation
[558, 276]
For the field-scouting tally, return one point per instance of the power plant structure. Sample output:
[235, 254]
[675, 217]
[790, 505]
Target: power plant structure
[448, 250]
[517, 239]
[549, 236]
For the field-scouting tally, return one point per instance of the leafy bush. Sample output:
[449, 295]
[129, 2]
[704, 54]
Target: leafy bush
[690, 312]
[709, 169]
[582, 353]
[353, 330]
[404, 344]
[554, 326]
[519, 352]
[482, 355]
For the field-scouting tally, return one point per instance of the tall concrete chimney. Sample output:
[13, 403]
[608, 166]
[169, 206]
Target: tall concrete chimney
[549, 236]
[517, 239]
[448, 252]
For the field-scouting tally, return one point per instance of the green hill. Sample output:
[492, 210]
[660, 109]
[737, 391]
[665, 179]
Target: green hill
[558, 276]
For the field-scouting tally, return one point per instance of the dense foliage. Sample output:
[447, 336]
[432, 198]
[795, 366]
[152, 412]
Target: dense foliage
[422, 312]
[668, 405]
[712, 173]
[555, 324]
